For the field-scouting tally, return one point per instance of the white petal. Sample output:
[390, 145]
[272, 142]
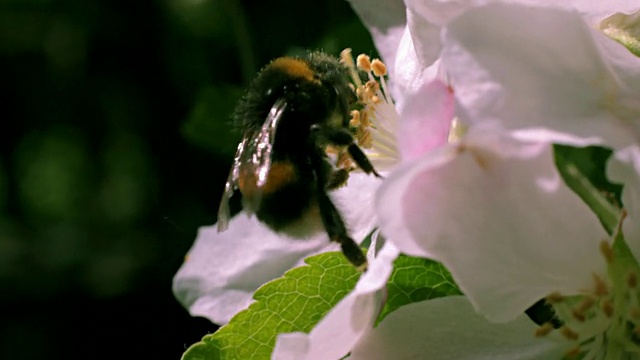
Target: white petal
[449, 328]
[356, 203]
[548, 69]
[624, 168]
[496, 212]
[348, 321]
[442, 11]
[411, 72]
[426, 120]
[425, 18]
[223, 270]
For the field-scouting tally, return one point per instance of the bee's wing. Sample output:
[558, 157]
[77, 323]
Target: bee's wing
[252, 162]
[230, 187]
[257, 159]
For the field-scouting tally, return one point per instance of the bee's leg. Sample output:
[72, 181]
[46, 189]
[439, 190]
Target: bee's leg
[337, 179]
[331, 218]
[343, 137]
[361, 159]
[334, 225]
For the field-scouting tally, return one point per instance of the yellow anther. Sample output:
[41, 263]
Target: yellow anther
[346, 58]
[331, 150]
[372, 86]
[554, 298]
[364, 62]
[586, 304]
[569, 334]
[344, 161]
[578, 315]
[573, 353]
[607, 308]
[355, 118]
[606, 251]
[601, 288]
[365, 120]
[632, 280]
[379, 68]
[544, 329]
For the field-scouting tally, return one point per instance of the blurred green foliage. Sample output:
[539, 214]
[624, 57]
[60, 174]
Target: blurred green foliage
[114, 148]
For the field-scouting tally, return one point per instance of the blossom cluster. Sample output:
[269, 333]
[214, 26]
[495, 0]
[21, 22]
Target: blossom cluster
[520, 77]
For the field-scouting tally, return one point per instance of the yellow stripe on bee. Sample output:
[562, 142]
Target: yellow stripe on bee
[281, 174]
[295, 68]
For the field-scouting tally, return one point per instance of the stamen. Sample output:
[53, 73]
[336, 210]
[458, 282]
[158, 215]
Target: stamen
[383, 82]
[364, 138]
[569, 334]
[379, 68]
[632, 280]
[544, 329]
[601, 286]
[344, 161]
[578, 315]
[607, 308]
[573, 353]
[355, 119]
[331, 150]
[586, 304]
[347, 59]
[606, 251]
[604, 321]
[364, 62]
[376, 119]
[554, 298]
[365, 120]
[371, 88]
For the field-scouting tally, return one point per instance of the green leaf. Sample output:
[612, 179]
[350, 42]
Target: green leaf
[583, 170]
[625, 30]
[417, 279]
[209, 125]
[295, 302]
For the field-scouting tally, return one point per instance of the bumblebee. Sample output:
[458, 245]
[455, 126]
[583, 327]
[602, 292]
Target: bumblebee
[292, 111]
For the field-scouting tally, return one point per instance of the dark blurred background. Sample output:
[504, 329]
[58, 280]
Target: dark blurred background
[114, 148]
